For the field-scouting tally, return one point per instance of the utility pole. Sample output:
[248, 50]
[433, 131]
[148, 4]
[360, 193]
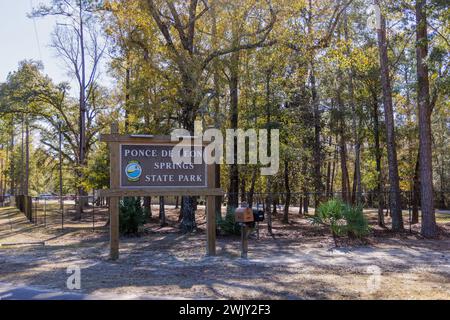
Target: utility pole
[27, 155]
[22, 149]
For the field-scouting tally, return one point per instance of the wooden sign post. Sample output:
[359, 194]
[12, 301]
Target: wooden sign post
[141, 166]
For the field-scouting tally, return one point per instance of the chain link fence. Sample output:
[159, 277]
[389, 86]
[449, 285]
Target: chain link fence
[63, 212]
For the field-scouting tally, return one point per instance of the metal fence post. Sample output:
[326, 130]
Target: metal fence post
[45, 212]
[93, 211]
[62, 213]
[36, 211]
[409, 210]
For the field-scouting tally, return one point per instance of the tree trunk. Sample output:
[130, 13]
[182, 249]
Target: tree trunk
[268, 178]
[162, 212]
[82, 118]
[415, 196]
[12, 169]
[288, 192]
[304, 187]
[243, 193]
[22, 158]
[148, 206]
[395, 200]
[2, 174]
[333, 173]
[317, 148]
[345, 182]
[127, 98]
[317, 159]
[233, 189]
[252, 187]
[187, 214]
[357, 189]
[306, 203]
[61, 200]
[219, 199]
[188, 223]
[429, 228]
[27, 156]
[328, 179]
[217, 109]
[379, 188]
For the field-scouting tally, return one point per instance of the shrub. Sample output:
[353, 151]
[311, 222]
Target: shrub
[131, 216]
[342, 219]
[357, 225]
[228, 225]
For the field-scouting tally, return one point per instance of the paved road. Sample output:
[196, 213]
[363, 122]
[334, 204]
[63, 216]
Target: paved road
[10, 292]
[23, 292]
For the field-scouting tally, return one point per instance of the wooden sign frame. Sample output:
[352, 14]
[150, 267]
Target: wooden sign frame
[114, 194]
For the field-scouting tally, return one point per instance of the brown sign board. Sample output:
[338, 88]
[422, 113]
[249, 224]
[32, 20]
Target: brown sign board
[142, 166]
[151, 166]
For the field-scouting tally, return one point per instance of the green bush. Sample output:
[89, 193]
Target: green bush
[342, 219]
[131, 216]
[357, 225]
[228, 225]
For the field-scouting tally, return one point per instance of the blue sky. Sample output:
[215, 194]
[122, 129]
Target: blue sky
[19, 40]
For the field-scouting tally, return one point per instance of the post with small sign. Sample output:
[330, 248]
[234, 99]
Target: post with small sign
[245, 218]
[141, 165]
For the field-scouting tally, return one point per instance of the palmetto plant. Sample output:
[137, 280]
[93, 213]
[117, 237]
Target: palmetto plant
[342, 219]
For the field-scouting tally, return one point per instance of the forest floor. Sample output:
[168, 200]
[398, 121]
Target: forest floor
[299, 261]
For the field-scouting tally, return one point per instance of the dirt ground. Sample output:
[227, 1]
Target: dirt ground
[299, 262]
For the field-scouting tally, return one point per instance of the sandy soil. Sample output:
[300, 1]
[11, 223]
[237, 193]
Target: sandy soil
[299, 262]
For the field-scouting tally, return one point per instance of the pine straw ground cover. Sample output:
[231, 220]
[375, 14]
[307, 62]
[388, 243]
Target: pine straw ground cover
[299, 261]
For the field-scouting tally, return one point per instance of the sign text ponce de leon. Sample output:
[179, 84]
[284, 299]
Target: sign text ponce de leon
[151, 166]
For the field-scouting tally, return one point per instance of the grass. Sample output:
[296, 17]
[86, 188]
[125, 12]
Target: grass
[442, 218]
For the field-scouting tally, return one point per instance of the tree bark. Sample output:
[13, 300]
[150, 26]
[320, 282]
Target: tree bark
[288, 192]
[27, 156]
[127, 98]
[317, 159]
[162, 212]
[12, 172]
[357, 188]
[394, 193]
[268, 178]
[333, 172]
[415, 196]
[188, 223]
[252, 187]
[317, 147]
[82, 117]
[187, 214]
[379, 188]
[217, 110]
[233, 189]
[22, 158]
[148, 206]
[243, 193]
[429, 228]
[345, 182]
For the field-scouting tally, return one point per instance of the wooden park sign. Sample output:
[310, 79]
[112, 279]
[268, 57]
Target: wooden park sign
[141, 166]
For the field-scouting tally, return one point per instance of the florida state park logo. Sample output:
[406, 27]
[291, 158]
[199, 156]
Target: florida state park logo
[133, 171]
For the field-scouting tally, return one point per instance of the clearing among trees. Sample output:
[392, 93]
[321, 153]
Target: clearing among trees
[299, 262]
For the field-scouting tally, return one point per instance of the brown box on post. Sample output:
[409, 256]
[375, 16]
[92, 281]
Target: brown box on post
[243, 215]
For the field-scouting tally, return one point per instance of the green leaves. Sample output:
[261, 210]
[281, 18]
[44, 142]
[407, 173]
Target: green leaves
[342, 219]
[131, 216]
